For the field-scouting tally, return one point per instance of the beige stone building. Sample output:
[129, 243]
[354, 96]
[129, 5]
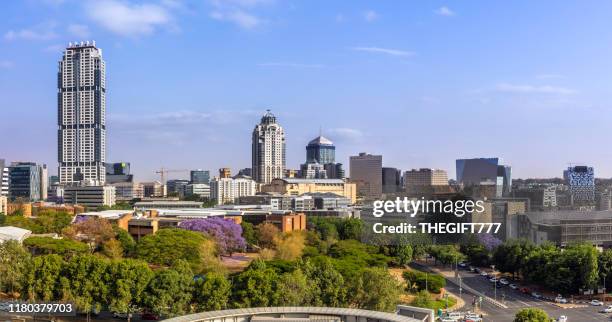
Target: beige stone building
[296, 187]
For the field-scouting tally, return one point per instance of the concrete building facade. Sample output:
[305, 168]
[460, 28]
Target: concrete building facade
[268, 150]
[81, 114]
[366, 173]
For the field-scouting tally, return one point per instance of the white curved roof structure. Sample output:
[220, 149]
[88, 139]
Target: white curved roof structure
[294, 313]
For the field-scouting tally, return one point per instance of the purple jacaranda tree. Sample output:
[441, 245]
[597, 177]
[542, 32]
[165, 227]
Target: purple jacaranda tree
[226, 233]
[489, 241]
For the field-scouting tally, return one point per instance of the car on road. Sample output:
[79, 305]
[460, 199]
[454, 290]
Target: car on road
[477, 270]
[525, 290]
[536, 295]
[606, 310]
[483, 273]
[472, 317]
[472, 268]
[120, 315]
[493, 280]
[514, 286]
[560, 299]
[596, 303]
[463, 265]
[499, 285]
[504, 281]
[562, 318]
[149, 317]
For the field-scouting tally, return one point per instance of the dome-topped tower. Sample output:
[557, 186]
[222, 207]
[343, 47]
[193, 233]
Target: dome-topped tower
[268, 150]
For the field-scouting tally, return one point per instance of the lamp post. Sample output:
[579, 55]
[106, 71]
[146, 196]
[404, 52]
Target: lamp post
[494, 284]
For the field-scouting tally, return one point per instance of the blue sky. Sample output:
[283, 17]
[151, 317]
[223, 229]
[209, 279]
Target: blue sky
[421, 82]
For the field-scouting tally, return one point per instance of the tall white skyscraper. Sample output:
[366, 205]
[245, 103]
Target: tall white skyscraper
[82, 114]
[268, 150]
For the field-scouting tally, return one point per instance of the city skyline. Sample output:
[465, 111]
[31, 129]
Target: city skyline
[520, 114]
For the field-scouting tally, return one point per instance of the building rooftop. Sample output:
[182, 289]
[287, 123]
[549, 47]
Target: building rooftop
[13, 233]
[107, 214]
[321, 181]
[320, 140]
[569, 216]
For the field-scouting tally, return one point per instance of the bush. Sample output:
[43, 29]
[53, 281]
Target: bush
[433, 282]
[48, 245]
[531, 315]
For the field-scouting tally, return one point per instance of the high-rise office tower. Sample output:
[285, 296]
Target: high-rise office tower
[320, 160]
[4, 178]
[81, 114]
[118, 172]
[366, 171]
[25, 181]
[485, 171]
[581, 182]
[268, 150]
[391, 180]
[199, 176]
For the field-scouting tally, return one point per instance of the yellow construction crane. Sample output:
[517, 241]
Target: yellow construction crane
[163, 171]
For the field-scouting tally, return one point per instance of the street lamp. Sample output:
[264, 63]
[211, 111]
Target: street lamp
[494, 284]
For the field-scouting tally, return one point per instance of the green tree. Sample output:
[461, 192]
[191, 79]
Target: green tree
[128, 279]
[421, 280]
[256, 286]
[376, 290]
[328, 284]
[295, 289]
[212, 292]
[127, 241]
[48, 245]
[604, 262]
[83, 281]
[169, 292]
[169, 245]
[14, 259]
[51, 221]
[531, 315]
[248, 233]
[350, 228]
[42, 276]
[112, 249]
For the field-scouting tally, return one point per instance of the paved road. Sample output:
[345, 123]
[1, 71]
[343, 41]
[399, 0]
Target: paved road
[515, 300]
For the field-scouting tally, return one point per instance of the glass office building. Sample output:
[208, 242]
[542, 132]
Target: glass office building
[473, 172]
[25, 181]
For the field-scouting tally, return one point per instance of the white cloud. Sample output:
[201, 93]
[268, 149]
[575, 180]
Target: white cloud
[239, 12]
[444, 11]
[55, 48]
[387, 51]
[241, 18]
[80, 31]
[532, 89]
[345, 133]
[44, 31]
[549, 76]
[6, 64]
[129, 19]
[290, 65]
[370, 15]
[241, 3]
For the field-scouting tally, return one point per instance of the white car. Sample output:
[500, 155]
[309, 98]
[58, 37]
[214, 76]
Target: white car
[483, 273]
[596, 303]
[560, 299]
[120, 315]
[536, 295]
[493, 280]
[504, 281]
[607, 310]
[514, 286]
[562, 318]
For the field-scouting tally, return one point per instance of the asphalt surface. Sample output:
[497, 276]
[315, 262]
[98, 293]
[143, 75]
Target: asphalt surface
[515, 301]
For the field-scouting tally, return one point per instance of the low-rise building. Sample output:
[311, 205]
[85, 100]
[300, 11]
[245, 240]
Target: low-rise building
[120, 218]
[166, 204]
[154, 189]
[297, 187]
[198, 189]
[90, 196]
[229, 190]
[13, 233]
[127, 191]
